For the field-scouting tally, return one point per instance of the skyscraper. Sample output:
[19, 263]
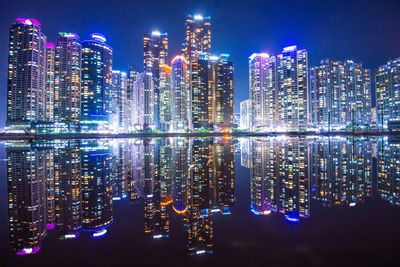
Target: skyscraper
[119, 100]
[180, 95]
[197, 37]
[201, 90]
[211, 94]
[67, 83]
[155, 54]
[96, 84]
[165, 98]
[388, 93]
[138, 95]
[50, 64]
[340, 95]
[263, 91]
[245, 115]
[26, 75]
[223, 94]
[129, 105]
[292, 83]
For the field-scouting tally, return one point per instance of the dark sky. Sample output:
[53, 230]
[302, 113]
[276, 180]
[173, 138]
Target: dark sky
[362, 30]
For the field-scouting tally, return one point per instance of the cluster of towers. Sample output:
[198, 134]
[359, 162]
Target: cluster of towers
[70, 85]
[285, 95]
[194, 92]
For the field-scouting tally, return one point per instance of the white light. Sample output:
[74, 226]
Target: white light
[155, 33]
[100, 233]
[198, 17]
[352, 204]
[157, 236]
[200, 252]
[28, 250]
[290, 48]
[28, 22]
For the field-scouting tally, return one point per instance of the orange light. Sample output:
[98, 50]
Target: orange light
[165, 68]
[167, 201]
[180, 212]
[178, 57]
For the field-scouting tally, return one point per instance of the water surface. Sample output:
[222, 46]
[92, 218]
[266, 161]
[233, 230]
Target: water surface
[256, 201]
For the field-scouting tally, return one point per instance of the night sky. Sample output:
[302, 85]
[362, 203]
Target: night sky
[364, 31]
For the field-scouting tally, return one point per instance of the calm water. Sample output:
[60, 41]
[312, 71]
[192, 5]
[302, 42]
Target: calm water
[279, 201]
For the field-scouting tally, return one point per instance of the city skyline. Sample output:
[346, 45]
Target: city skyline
[356, 45]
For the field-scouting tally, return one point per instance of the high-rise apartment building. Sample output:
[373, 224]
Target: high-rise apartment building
[388, 93]
[263, 91]
[245, 114]
[197, 37]
[67, 80]
[138, 96]
[96, 84]
[119, 100]
[292, 84]
[26, 75]
[165, 98]
[211, 93]
[279, 90]
[340, 95]
[155, 54]
[49, 95]
[180, 94]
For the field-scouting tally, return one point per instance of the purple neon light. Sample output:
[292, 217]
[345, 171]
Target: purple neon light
[28, 251]
[50, 45]
[29, 21]
[50, 226]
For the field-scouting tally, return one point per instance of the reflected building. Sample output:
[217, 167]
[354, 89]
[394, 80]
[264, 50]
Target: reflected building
[27, 211]
[389, 171]
[67, 184]
[96, 167]
[341, 171]
[279, 177]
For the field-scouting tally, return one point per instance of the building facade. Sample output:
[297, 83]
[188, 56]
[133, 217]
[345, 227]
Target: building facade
[119, 100]
[245, 115]
[96, 84]
[155, 54]
[340, 95]
[180, 94]
[67, 81]
[197, 37]
[50, 72]
[26, 75]
[388, 93]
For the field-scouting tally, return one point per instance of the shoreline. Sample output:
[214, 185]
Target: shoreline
[42, 136]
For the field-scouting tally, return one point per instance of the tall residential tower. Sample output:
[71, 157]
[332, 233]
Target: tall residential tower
[26, 75]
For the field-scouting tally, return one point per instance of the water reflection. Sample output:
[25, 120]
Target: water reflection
[69, 186]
